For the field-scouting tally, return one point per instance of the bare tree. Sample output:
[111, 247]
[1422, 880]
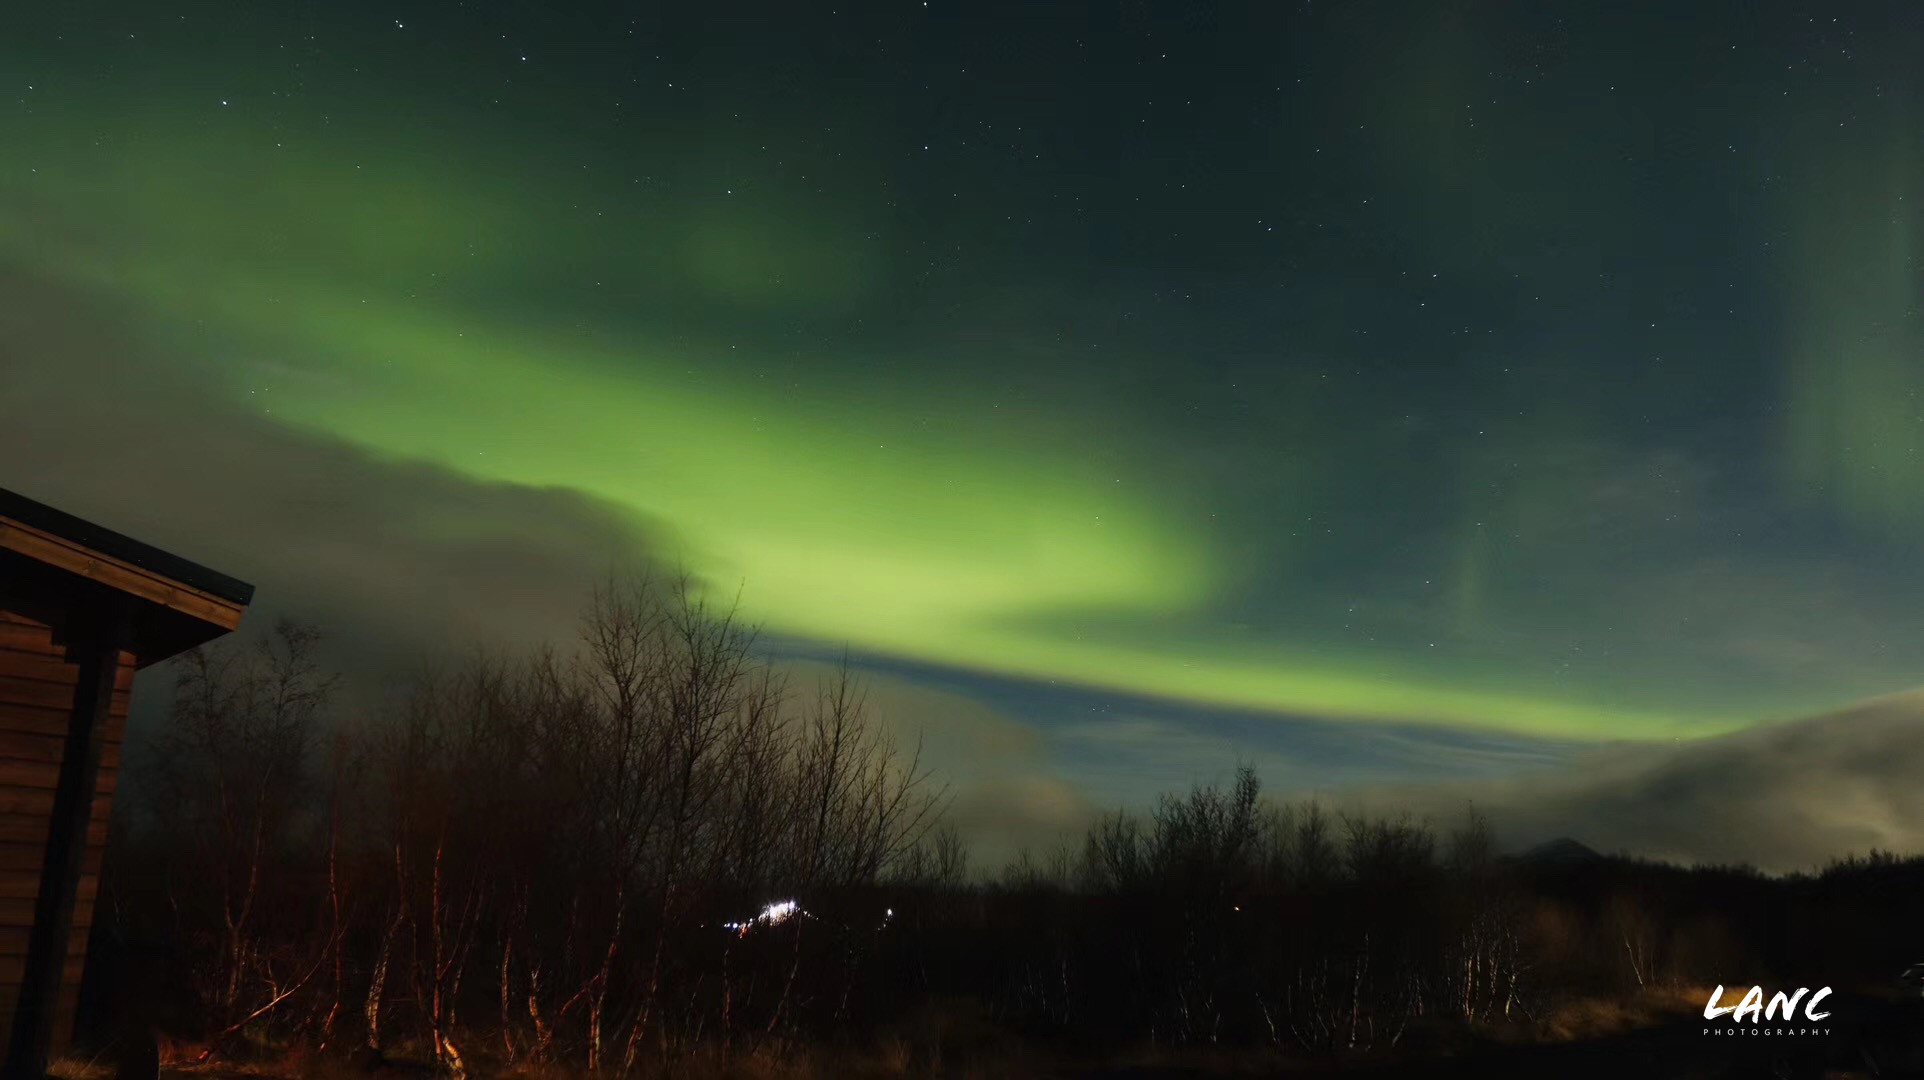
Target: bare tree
[232, 784]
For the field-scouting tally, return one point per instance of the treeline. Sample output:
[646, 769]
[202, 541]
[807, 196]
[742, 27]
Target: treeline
[649, 848]
[1221, 917]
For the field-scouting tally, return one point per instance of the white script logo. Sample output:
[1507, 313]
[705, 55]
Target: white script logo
[1752, 1008]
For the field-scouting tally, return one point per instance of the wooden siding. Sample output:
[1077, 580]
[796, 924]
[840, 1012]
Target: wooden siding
[36, 692]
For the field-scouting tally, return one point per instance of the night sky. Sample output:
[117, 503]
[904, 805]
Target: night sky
[1379, 392]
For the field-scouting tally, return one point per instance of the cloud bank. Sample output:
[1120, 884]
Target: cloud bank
[1782, 797]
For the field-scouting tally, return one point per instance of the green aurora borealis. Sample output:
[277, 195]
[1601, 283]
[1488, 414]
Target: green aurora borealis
[1553, 375]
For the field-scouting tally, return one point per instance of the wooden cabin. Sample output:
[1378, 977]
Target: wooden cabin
[82, 609]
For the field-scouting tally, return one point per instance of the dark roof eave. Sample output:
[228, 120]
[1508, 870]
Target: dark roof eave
[107, 542]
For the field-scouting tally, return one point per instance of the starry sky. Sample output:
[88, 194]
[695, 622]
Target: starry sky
[1365, 389]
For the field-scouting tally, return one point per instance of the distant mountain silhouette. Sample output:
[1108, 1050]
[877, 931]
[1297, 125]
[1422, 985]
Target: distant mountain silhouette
[1561, 850]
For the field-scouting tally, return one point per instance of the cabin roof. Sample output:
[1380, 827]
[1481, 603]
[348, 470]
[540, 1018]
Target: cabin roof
[50, 560]
[115, 545]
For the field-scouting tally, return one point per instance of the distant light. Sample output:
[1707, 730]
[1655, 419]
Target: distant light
[772, 915]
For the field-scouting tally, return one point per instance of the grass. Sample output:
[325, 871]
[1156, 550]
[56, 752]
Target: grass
[1581, 1018]
[957, 1039]
[76, 1067]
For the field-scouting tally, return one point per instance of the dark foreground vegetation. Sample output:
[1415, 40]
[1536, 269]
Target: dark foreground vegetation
[578, 862]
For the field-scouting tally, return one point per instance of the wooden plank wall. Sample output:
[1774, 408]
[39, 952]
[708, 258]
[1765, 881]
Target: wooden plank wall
[36, 694]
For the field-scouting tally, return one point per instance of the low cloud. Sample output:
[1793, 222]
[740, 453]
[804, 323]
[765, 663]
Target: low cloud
[1783, 796]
